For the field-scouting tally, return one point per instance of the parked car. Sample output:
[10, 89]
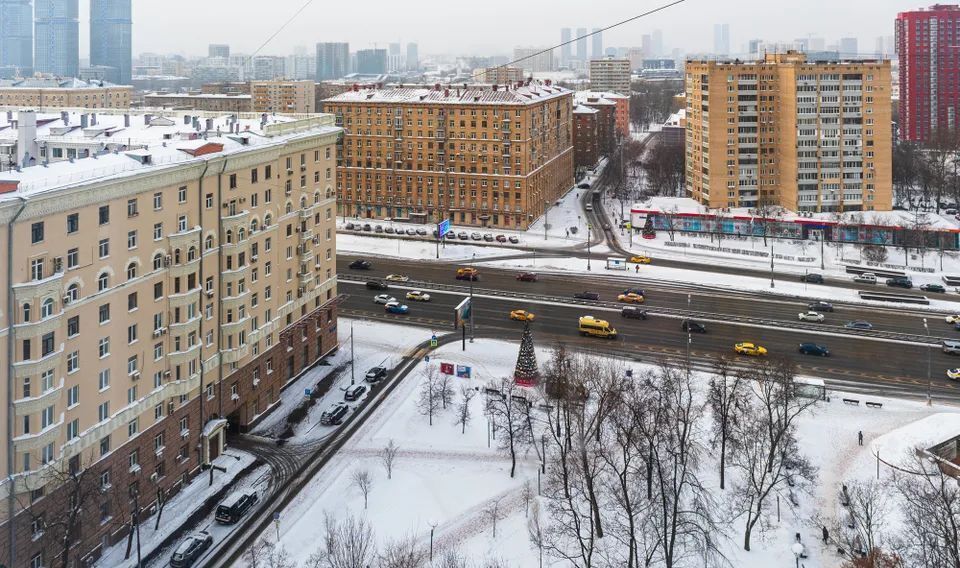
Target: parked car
[814, 349]
[692, 326]
[354, 392]
[819, 306]
[377, 285]
[501, 238]
[366, 227]
[812, 278]
[586, 295]
[468, 273]
[488, 237]
[900, 282]
[396, 308]
[514, 239]
[190, 548]
[378, 229]
[389, 230]
[583, 185]
[866, 278]
[375, 374]
[348, 226]
[334, 415]
[950, 346]
[633, 312]
[937, 288]
[418, 296]
[235, 506]
[476, 236]
[812, 316]
[383, 299]
[527, 277]
[422, 232]
[952, 319]
[463, 236]
[860, 324]
[411, 232]
[360, 264]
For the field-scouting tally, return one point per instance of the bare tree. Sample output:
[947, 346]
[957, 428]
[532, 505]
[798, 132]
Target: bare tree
[509, 412]
[346, 544]
[765, 212]
[535, 529]
[526, 493]
[453, 558]
[768, 457]
[430, 401]
[267, 554]
[492, 513]
[388, 455]
[363, 482]
[670, 222]
[929, 501]
[463, 407]
[727, 398]
[403, 553]
[939, 153]
[445, 390]
[859, 530]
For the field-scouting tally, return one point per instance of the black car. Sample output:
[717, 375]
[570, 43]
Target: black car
[354, 392]
[812, 278]
[860, 324]
[360, 264]
[422, 232]
[938, 288]
[377, 285]
[637, 291]
[235, 506]
[820, 307]
[527, 277]
[814, 349]
[190, 548]
[587, 296]
[633, 312]
[693, 326]
[366, 227]
[900, 282]
[584, 186]
[348, 226]
[375, 375]
[335, 414]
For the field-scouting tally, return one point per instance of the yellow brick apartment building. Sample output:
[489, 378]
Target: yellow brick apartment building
[491, 156]
[806, 136]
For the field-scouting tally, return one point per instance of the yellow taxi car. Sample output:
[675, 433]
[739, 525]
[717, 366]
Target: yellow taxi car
[641, 259]
[952, 319]
[418, 296]
[751, 349]
[630, 298]
[521, 315]
[953, 374]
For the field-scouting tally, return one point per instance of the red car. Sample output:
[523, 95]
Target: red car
[527, 277]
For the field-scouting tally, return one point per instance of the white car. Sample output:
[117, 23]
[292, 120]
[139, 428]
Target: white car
[397, 278]
[953, 374]
[418, 296]
[952, 319]
[811, 316]
[384, 299]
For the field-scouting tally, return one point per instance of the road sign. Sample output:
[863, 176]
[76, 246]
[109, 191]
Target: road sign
[433, 341]
[276, 516]
[461, 312]
[307, 392]
[426, 358]
[443, 228]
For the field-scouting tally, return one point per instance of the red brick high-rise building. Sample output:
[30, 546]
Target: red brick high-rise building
[928, 42]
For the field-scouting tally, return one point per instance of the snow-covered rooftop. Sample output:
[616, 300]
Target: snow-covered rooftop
[897, 446]
[582, 109]
[593, 98]
[53, 83]
[118, 143]
[533, 92]
[196, 96]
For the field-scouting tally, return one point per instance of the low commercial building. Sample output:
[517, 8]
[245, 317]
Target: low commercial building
[47, 93]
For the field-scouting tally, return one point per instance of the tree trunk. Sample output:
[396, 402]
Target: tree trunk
[591, 494]
[513, 454]
[723, 450]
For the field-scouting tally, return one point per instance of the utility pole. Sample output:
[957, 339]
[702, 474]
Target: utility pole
[929, 384]
[473, 263]
[689, 338]
[353, 377]
[588, 245]
[546, 209]
[771, 265]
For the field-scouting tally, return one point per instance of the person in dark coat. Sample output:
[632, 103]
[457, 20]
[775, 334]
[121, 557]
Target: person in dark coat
[860, 437]
[826, 535]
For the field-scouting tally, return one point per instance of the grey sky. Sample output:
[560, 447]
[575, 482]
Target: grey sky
[491, 26]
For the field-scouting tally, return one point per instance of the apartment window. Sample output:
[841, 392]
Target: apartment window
[103, 347]
[104, 313]
[103, 248]
[132, 428]
[73, 326]
[73, 223]
[158, 442]
[46, 344]
[46, 381]
[36, 269]
[36, 232]
[131, 239]
[73, 362]
[209, 392]
[132, 303]
[73, 258]
[103, 379]
[132, 208]
[133, 460]
[158, 412]
[132, 365]
[182, 194]
[181, 223]
[132, 333]
[73, 395]
[104, 443]
[132, 394]
[267, 171]
[73, 429]
[233, 181]
[46, 417]
[184, 424]
[157, 231]
[105, 480]
[46, 454]
[103, 282]
[157, 290]
[157, 351]
[157, 200]
[103, 215]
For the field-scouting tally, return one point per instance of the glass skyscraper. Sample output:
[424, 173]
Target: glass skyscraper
[16, 38]
[110, 38]
[57, 25]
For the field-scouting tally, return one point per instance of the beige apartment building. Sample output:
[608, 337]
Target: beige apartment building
[491, 156]
[610, 75]
[41, 93]
[153, 297]
[499, 75]
[806, 136]
[199, 101]
[283, 96]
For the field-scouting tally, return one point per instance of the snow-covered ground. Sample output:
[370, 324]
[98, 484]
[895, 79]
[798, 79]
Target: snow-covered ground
[445, 479]
[182, 506]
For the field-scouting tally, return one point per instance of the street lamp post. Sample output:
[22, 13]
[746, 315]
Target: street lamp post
[772, 285]
[929, 385]
[433, 527]
[689, 337]
[588, 246]
[473, 263]
[353, 378]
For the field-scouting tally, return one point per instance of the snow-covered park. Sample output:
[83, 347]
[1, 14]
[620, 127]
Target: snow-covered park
[404, 484]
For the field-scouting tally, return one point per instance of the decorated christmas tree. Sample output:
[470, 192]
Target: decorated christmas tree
[527, 373]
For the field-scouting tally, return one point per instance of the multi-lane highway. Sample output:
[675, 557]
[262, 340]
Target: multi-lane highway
[892, 358]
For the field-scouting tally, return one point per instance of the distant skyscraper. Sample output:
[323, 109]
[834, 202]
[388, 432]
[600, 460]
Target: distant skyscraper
[582, 54]
[413, 57]
[848, 47]
[597, 38]
[566, 50]
[16, 38]
[753, 47]
[817, 43]
[657, 43]
[57, 37]
[646, 45]
[721, 39]
[371, 61]
[111, 28]
[394, 49]
[218, 50]
[333, 60]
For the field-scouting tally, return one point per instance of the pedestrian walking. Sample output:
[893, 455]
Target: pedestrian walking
[860, 437]
[636, 268]
[826, 535]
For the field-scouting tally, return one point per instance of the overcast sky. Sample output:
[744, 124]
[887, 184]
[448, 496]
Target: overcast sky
[491, 26]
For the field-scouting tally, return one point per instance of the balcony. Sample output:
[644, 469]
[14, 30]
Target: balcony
[32, 405]
[49, 286]
[181, 357]
[35, 367]
[33, 442]
[40, 328]
[237, 221]
[189, 267]
[234, 302]
[235, 326]
[305, 278]
[184, 299]
[234, 355]
[185, 239]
